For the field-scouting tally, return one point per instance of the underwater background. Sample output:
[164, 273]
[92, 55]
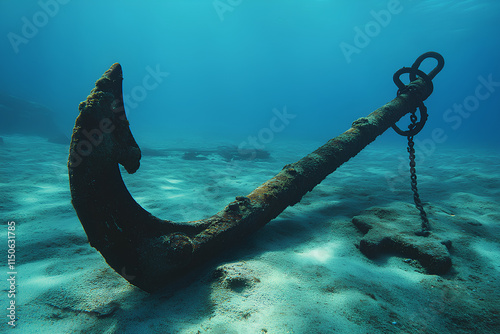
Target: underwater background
[205, 77]
[223, 66]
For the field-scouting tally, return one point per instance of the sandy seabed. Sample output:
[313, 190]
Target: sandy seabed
[302, 273]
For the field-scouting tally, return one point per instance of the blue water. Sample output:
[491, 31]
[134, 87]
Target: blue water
[251, 72]
[222, 67]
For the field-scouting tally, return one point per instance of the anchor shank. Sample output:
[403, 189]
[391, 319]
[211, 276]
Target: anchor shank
[296, 179]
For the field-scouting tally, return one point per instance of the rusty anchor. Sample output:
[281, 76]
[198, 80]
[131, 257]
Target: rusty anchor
[150, 252]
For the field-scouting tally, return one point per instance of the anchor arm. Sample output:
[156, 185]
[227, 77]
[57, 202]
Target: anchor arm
[150, 252]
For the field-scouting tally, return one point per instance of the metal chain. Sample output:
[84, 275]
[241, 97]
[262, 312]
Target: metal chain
[413, 175]
[415, 127]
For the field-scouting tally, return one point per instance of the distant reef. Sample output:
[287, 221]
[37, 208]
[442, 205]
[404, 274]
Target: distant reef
[18, 116]
[227, 153]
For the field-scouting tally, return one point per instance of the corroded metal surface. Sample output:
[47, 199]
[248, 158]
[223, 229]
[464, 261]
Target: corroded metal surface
[150, 252]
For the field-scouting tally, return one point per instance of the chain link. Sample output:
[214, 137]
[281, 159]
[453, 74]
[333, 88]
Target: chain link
[413, 175]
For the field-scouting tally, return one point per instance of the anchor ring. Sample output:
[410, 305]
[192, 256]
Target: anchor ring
[435, 70]
[421, 107]
[413, 72]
